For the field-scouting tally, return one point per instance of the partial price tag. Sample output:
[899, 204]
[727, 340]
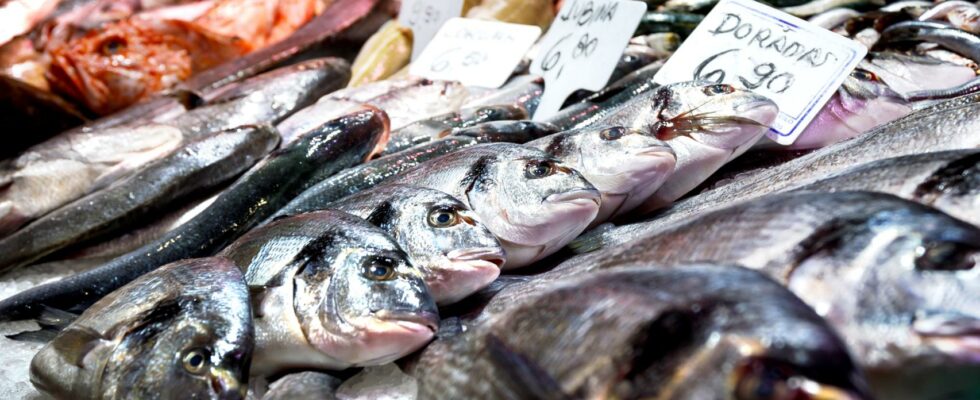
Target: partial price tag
[582, 47]
[425, 17]
[796, 64]
[475, 52]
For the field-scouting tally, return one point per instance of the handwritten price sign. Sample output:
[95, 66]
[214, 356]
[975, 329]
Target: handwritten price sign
[582, 47]
[475, 52]
[796, 64]
[425, 17]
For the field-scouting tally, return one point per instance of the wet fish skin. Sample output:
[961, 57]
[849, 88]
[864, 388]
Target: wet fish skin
[182, 331]
[201, 164]
[331, 148]
[356, 179]
[626, 166]
[443, 125]
[308, 385]
[530, 200]
[961, 42]
[948, 181]
[456, 254]
[910, 260]
[700, 332]
[949, 125]
[331, 291]
[69, 166]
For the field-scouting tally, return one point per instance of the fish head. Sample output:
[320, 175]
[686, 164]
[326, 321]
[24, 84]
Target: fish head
[530, 200]
[917, 267]
[717, 115]
[359, 300]
[127, 61]
[625, 165]
[456, 254]
[182, 331]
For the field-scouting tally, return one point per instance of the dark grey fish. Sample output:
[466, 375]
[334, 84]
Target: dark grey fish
[331, 291]
[963, 43]
[532, 202]
[307, 385]
[199, 165]
[440, 235]
[444, 125]
[948, 181]
[897, 279]
[182, 331]
[331, 148]
[359, 178]
[700, 332]
[71, 165]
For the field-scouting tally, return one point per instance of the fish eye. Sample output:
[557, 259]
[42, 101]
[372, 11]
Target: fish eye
[379, 269]
[864, 75]
[195, 361]
[443, 217]
[536, 169]
[722, 88]
[758, 379]
[613, 133]
[943, 256]
[113, 45]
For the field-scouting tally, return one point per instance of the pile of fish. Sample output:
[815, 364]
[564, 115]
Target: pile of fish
[324, 229]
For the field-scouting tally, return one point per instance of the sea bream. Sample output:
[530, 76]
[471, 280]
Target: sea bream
[625, 166]
[700, 332]
[331, 291]
[183, 331]
[69, 166]
[440, 235]
[530, 200]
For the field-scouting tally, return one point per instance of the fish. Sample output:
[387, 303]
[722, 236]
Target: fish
[947, 180]
[308, 385]
[681, 23]
[426, 130]
[201, 164]
[456, 254]
[281, 176]
[369, 174]
[386, 52]
[705, 124]
[833, 18]
[331, 291]
[79, 162]
[949, 125]
[625, 166]
[700, 332]
[815, 7]
[531, 201]
[914, 265]
[960, 14]
[963, 43]
[182, 331]
[904, 73]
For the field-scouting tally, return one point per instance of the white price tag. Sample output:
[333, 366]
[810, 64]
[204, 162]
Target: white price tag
[743, 43]
[582, 47]
[425, 17]
[475, 52]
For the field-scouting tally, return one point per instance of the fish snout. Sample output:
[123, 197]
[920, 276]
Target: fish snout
[226, 386]
[763, 111]
[428, 318]
[489, 254]
[955, 334]
[575, 196]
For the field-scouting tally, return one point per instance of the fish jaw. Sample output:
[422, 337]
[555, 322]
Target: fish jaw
[387, 336]
[836, 122]
[957, 336]
[571, 212]
[464, 272]
[646, 172]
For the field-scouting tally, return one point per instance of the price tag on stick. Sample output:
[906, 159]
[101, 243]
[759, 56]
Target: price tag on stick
[793, 62]
[475, 52]
[425, 17]
[582, 47]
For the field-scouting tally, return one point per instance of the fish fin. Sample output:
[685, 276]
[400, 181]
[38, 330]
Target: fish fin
[74, 343]
[528, 380]
[592, 240]
[55, 318]
[43, 335]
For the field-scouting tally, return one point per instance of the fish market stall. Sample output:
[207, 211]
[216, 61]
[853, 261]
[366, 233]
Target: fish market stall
[490, 199]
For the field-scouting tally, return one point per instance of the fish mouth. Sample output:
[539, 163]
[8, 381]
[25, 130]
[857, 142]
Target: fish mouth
[577, 197]
[467, 271]
[762, 112]
[226, 385]
[957, 336]
[410, 320]
[489, 254]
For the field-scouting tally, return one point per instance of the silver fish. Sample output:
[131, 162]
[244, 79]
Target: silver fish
[307, 385]
[69, 166]
[700, 332]
[533, 203]
[625, 166]
[182, 331]
[331, 291]
[440, 235]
